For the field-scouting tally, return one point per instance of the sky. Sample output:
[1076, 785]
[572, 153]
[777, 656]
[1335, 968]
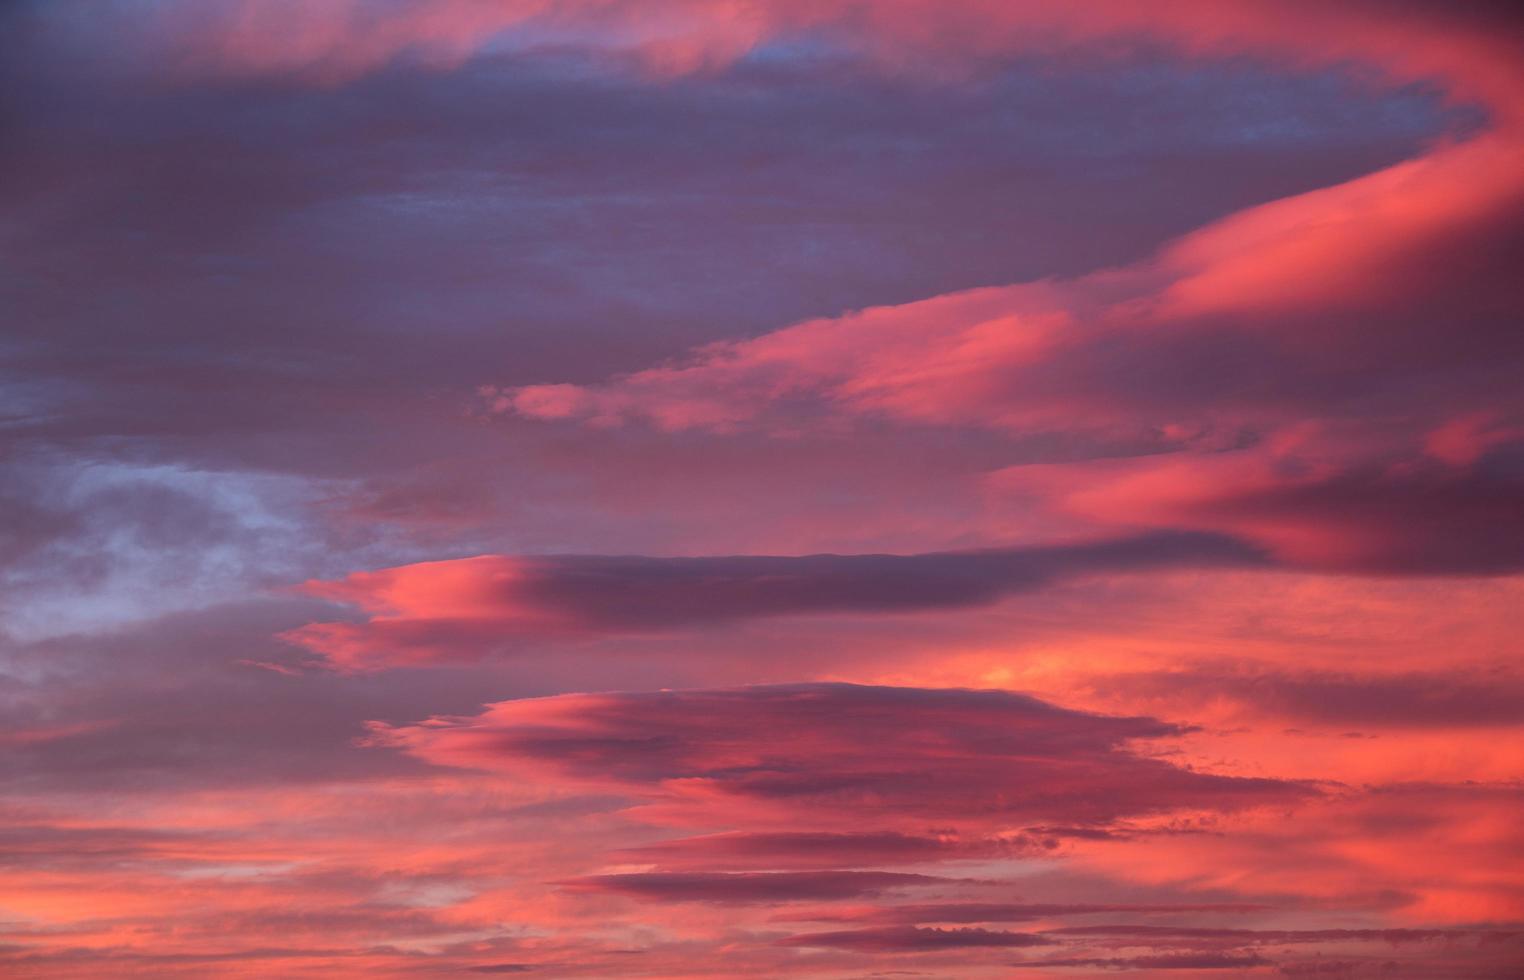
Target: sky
[761, 488]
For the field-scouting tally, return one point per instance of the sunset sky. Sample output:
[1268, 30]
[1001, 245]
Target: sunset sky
[817, 489]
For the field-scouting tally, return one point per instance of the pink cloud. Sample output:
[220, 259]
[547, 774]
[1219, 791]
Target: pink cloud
[750, 886]
[462, 610]
[1258, 589]
[872, 757]
[1323, 507]
[1352, 268]
[911, 939]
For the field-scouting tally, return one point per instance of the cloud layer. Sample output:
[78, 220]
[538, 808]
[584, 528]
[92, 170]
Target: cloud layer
[846, 753]
[795, 488]
[464, 609]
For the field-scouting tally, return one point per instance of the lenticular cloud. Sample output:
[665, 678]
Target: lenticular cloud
[842, 754]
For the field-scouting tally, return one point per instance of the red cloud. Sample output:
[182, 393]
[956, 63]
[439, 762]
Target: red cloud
[1338, 507]
[746, 887]
[463, 609]
[807, 849]
[871, 757]
[1387, 304]
[913, 940]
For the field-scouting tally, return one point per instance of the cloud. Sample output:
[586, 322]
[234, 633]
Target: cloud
[913, 940]
[1221, 329]
[1408, 700]
[1313, 502]
[179, 704]
[1167, 961]
[1393, 833]
[1003, 912]
[840, 753]
[813, 849]
[771, 886]
[462, 609]
[1160, 934]
[271, 259]
[1205, 364]
[1341, 303]
[340, 40]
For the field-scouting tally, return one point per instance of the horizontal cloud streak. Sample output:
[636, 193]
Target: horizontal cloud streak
[913, 940]
[806, 849]
[770, 886]
[1313, 501]
[462, 609]
[841, 752]
[1003, 912]
[1398, 700]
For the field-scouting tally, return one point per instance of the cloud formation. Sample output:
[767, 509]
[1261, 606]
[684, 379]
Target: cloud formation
[808, 377]
[841, 753]
[746, 887]
[463, 609]
[914, 940]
